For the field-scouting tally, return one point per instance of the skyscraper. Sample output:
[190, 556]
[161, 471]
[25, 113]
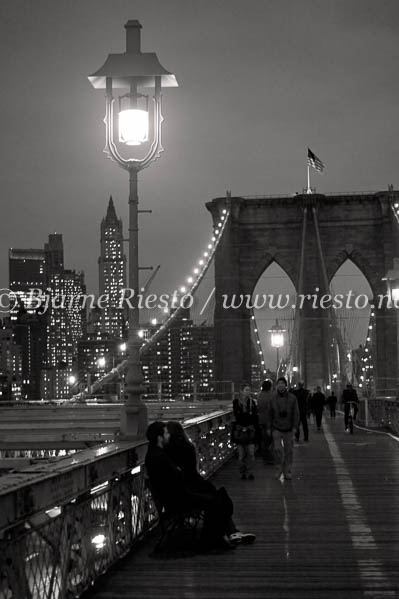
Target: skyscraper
[66, 324]
[27, 271]
[112, 273]
[48, 335]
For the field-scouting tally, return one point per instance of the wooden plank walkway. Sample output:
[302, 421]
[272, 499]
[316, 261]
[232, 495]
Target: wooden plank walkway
[332, 532]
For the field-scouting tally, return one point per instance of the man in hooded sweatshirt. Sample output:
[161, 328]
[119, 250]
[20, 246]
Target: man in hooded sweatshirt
[283, 421]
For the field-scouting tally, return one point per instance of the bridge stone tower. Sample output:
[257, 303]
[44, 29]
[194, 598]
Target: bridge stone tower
[318, 232]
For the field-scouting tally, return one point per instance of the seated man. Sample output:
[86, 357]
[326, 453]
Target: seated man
[168, 484]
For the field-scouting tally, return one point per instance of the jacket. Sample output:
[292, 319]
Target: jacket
[349, 395]
[283, 412]
[247, 414]
[264, 399]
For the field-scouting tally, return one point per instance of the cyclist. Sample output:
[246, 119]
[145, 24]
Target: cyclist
[349, 396]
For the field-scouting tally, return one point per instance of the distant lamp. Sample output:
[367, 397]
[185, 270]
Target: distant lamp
[395, 291]
[101, 362]
[72, 379]
[277, 341]
[122, 347]
[277, 336]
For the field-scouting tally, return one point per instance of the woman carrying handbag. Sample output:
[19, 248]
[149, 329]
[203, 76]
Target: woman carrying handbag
[244, 430]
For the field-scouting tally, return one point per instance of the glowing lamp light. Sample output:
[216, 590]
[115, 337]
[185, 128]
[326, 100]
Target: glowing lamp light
[72, 379]
[99, 541]
[101, 362]
[395, 293]
[122, 347]
[277, 339]
[133, 126]
[295, 369]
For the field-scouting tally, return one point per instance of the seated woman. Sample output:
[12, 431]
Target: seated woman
[184, 455]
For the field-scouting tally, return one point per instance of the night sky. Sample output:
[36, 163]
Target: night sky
[260, 81]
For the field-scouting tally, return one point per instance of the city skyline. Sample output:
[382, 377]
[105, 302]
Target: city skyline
[258, 85]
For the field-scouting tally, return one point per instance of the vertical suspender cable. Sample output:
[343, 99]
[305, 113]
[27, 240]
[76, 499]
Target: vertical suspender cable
[326, 285]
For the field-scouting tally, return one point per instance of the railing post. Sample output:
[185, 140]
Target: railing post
[159, 391]
[195, 391]
[366, 411]
[232, 390]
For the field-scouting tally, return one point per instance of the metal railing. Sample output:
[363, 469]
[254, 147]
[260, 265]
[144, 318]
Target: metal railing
[62, 525]
[380, 412]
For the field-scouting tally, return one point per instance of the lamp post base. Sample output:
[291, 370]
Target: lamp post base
[134, 421]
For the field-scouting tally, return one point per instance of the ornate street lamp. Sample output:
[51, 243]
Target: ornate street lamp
[135, 72]
[277, 341]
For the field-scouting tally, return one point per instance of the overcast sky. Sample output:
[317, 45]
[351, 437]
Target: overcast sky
[259, 82]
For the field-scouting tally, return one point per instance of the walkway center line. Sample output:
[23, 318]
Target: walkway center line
[374, 581]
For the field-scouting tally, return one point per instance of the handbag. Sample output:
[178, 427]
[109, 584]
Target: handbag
[244, 435]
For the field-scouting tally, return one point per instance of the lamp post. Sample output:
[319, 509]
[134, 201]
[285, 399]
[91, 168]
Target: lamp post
[134, 71]
[277, 341]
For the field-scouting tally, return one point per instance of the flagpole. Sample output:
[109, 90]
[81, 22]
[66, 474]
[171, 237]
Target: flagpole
[309, 189]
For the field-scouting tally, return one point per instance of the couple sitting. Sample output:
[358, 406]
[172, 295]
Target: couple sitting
[171, 463]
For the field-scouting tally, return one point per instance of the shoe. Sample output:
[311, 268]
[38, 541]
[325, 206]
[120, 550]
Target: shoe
[277, 476]
[288, 476]
[347, 430]
[251, 476]
[246, 538]
[243, 476]
[225, 543]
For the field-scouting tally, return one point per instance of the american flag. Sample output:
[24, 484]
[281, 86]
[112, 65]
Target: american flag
[314, 161]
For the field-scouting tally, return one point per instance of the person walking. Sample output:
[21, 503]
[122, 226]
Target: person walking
[332, 403]
[303, 396]
[244, 430]
[283, 420]
[266, 441]
[318, 401]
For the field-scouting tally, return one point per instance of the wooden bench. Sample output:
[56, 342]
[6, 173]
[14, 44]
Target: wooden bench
[171, 520]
